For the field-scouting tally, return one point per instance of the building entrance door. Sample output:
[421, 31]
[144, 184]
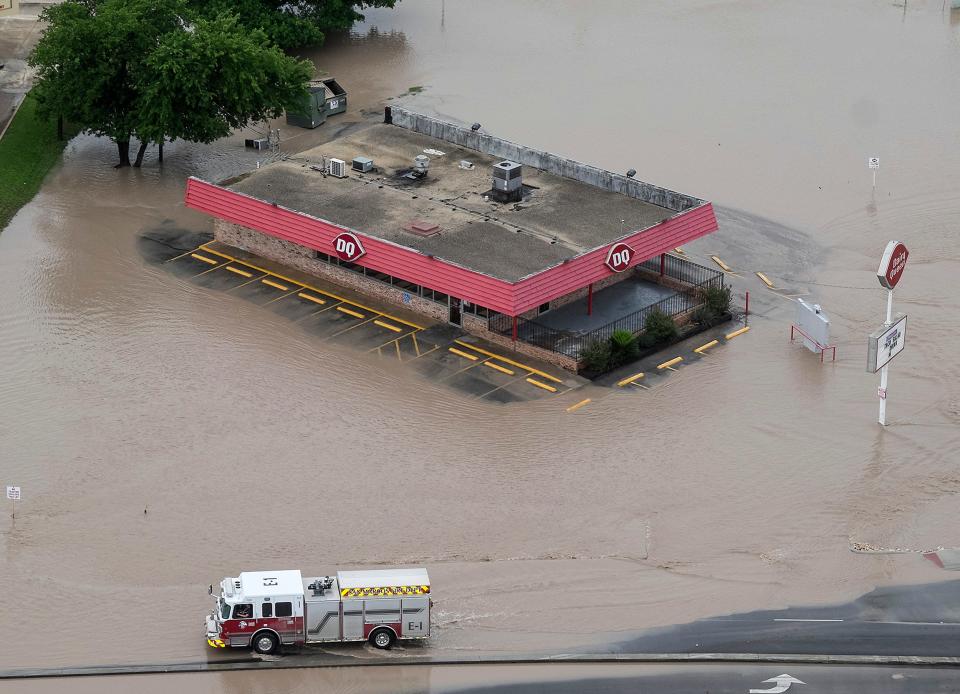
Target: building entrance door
[455, 317]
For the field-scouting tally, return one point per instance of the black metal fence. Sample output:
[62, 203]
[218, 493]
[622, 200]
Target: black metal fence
[695, 278]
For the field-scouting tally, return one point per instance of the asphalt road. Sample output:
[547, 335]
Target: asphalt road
[700, 679]
[905, 620]
[541, 678]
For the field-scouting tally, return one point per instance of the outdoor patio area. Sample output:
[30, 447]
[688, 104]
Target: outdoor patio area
[625, 305]
[609, 304]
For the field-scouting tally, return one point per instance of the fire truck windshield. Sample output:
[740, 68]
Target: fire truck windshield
[224, 609]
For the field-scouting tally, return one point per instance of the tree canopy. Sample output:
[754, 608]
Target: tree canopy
[156, 69]
[293, 23]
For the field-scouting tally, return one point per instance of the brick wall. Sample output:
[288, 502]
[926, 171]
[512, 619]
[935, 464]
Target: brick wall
[302, 259]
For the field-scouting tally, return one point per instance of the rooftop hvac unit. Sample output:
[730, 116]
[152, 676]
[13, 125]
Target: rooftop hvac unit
[338, 168]
[363, 164]
[507, 181]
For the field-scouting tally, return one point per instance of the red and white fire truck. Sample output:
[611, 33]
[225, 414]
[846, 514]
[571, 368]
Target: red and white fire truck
[267, 609]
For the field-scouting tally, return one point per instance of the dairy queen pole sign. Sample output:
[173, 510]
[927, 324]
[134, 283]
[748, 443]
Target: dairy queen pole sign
[887, 342]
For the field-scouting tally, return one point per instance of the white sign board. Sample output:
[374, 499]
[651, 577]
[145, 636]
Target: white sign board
[886, 343]
[13, 493]
[814, 324]
[873, 162]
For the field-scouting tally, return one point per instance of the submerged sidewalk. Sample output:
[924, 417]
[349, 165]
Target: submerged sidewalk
[18, 35]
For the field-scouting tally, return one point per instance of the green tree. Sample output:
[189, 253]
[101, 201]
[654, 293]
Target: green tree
[150, 69]
[293, 23]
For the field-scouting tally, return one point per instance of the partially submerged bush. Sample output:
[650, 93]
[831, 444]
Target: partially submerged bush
[704, 317]
[717, 300]
[596, 356]
[657, 329]
[623, 347]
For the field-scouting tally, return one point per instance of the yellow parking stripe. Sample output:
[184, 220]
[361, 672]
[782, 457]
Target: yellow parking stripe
[311, 298]
[318, 291]
[471, 357]
[668, 364]
[497, 367]
[388, 326]
[242, 273]
[629, 379]
[275, 285]
[702, 348]
[741, 331]
[723, 265]
[765, 279]
[538, 384]
[582, 403]
[509, 361]
[350, 313]
[203, 258]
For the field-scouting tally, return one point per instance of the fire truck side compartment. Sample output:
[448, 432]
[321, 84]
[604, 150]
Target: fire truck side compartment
[322, 612]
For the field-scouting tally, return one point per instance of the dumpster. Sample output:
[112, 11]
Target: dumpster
[324, 98]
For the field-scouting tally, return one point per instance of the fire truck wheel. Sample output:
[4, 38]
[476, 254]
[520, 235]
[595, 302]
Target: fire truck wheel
[265, 643]
[382, 638]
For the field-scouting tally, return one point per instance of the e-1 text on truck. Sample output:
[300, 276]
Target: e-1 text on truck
[265, 610]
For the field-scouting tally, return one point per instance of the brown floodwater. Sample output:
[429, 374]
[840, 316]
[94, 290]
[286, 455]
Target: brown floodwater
[736, 484]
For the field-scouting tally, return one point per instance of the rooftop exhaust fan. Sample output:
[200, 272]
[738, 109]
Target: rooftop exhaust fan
[421, 164]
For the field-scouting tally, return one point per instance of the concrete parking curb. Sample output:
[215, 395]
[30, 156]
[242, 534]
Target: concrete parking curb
[303, 662]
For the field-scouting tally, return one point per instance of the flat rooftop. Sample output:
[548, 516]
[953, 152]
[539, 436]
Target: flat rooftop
[558, 218]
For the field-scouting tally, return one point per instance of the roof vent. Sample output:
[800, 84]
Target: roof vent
[421, 164]
[507, 181]
[421, 227]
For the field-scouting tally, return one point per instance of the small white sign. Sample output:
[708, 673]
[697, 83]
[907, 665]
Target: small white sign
[886, 343]
[334, 103]
[873, 162]
[13, 493]
[882, 393]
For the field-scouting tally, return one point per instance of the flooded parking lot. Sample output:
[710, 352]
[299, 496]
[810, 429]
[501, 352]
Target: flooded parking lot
[166, 434]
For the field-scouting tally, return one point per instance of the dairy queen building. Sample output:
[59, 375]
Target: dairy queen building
[521, 247]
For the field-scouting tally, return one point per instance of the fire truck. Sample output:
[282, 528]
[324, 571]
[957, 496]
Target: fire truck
[265, 610]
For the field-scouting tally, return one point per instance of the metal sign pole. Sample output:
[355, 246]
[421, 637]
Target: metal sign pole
[883, 372]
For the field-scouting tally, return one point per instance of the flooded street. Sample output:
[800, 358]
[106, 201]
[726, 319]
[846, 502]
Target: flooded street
[165, 435]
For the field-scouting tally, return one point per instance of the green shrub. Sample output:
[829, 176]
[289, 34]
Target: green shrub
[596, 356]
[704, 316]
[717, 299]
[657, 329]
[623, 347]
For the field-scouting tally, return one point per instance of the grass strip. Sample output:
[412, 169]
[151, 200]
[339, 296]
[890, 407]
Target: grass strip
[28, 150]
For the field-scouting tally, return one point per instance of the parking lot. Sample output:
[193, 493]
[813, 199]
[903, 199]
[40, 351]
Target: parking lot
[439, 352]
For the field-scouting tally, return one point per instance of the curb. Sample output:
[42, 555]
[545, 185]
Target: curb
[343, 661]
[13, 114]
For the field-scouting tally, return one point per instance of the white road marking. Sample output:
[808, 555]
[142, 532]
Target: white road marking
[808, 620]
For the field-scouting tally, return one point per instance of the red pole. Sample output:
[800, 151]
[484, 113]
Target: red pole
[663, 264]
[514, 328]
[590, 300]
[746, 308]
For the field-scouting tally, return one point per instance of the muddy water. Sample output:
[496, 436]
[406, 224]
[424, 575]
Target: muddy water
[165, 435]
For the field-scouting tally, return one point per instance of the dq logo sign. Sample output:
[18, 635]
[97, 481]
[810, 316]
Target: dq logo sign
[348, 247]
[619, 257]
[892, 263]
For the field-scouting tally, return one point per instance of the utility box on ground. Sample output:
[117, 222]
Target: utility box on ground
[325, 98]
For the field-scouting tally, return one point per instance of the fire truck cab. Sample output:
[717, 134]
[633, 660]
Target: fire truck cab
[265, 610]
